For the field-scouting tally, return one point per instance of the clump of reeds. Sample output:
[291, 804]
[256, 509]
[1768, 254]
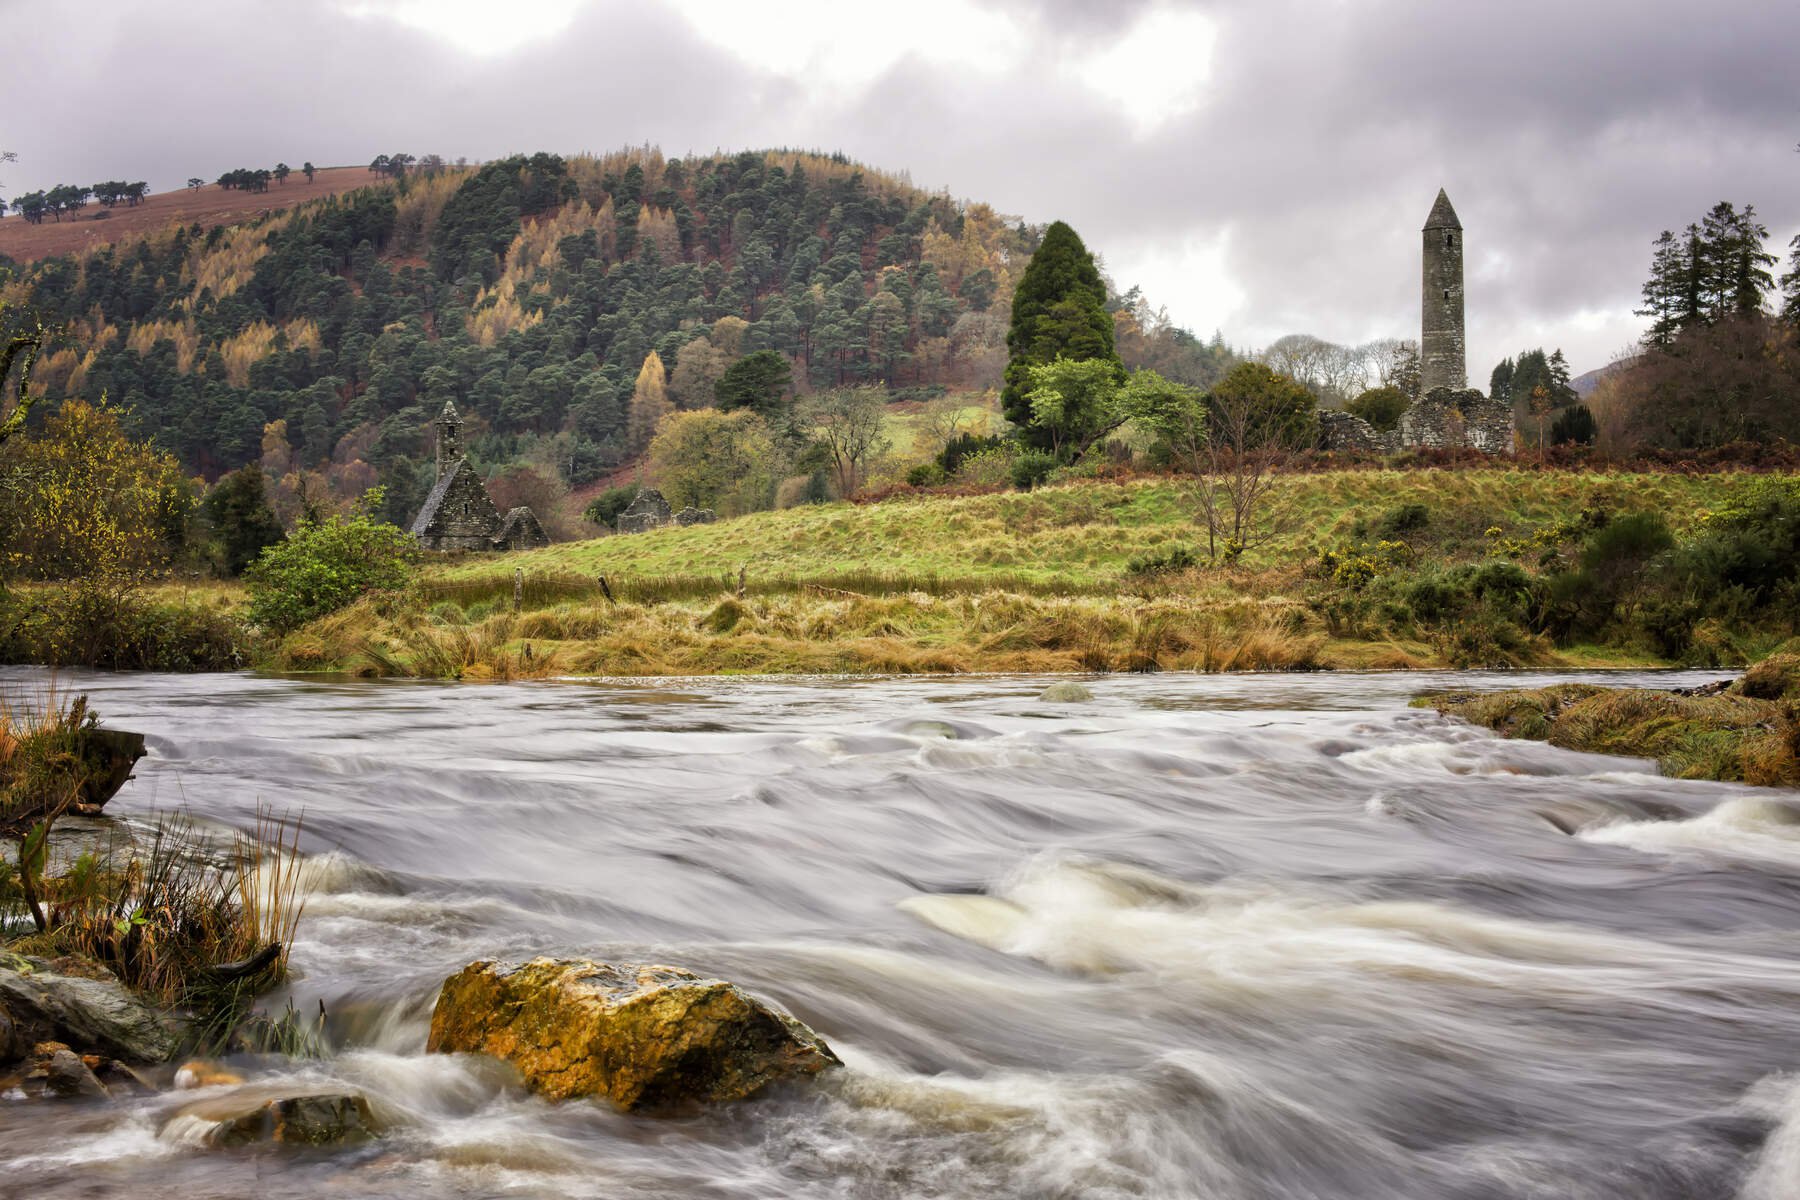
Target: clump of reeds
[182, 919]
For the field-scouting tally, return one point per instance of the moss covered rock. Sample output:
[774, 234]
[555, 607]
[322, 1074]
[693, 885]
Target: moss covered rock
[648, 1038]
[1065, 692]
[1736, 738]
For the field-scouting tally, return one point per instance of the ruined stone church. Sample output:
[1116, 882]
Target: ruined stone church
[1447, 412]
[459, 514]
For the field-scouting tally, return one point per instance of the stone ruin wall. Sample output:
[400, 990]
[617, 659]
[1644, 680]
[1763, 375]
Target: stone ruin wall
[1450, 418]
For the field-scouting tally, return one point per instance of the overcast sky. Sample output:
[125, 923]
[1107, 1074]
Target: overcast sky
[1261, 166]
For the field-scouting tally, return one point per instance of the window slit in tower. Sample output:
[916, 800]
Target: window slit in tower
[1446, 293]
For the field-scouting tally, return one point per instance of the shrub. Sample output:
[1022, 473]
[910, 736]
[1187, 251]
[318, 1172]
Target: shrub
[963, 446]
[929, 474]
[84, 624]
[1176, 558]
[1032, 468]
[1381, 407]
[1613, 571]
[1402, 519]
[1746, 558]
[325, 566]
[988, 468]
[604, 509]
[1574, 427]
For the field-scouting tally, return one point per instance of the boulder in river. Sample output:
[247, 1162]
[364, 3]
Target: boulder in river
[42, 1003]
[1065, 692]
[63, 1074]
[648, 1038]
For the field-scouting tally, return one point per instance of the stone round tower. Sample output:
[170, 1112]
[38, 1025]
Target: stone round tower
[449, 439]
[1441, 362]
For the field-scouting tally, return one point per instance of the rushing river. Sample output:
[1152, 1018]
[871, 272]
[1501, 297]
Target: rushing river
[1227, 937]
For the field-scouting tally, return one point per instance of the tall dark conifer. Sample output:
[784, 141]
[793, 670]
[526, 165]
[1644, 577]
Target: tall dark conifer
[1500, 382]
[1664, 290]
[1059, 309]
[1790, 285]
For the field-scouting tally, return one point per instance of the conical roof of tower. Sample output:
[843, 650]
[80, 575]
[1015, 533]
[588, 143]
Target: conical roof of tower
[1442, 215]
[449, 413]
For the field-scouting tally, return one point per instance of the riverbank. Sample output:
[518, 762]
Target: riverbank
[1744, 732]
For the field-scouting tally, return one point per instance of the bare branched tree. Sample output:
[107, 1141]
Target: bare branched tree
[1331, 372]
[848, 422]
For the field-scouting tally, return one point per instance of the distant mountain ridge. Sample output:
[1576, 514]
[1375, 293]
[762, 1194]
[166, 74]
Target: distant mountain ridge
[24, 242]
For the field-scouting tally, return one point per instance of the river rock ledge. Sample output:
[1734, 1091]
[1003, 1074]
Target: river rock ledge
[648, 1038]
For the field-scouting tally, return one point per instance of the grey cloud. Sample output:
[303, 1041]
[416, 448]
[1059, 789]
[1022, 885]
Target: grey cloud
[1567, 133]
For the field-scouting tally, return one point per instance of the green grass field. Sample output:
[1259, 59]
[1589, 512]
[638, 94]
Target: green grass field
[1079, 537]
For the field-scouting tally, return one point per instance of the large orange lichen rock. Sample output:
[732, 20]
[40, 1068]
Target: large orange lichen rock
[646, 1037]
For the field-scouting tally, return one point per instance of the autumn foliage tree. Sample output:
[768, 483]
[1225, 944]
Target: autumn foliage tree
[649, 402]
[84, 501]
[725, 461]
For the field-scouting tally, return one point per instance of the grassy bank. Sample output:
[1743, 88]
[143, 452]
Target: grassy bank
[1084, 536]
[1362, 568]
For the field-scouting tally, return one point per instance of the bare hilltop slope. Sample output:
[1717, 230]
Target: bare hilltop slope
[210, 205]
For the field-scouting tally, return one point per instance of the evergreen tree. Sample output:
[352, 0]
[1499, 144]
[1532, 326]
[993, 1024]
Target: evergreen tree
[758, 381]
[1751, 279]
[1719, 268]
[1663, 291]
[1790, 285]
[1561, 393]
[1058, 311]
[1574, 426]
[238, 510]
[1500, 382]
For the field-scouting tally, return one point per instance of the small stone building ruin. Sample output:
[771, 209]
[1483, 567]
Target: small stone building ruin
[648, 510]
[1447, 413]
[459, 514]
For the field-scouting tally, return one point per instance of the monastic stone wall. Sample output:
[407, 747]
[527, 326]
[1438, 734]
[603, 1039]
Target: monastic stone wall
[648, 511]
[1449, 418]
[1342, 431]
[694, 516]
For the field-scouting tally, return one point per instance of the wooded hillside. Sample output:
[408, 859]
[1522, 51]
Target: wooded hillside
[530, 291]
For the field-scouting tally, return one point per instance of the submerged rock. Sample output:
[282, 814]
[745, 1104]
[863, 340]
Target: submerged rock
[649, 1038]
[1066, 692]
[100, 1015]
[254, 1116]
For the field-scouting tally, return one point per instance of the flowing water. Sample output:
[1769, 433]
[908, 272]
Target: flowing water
[1235, 937]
